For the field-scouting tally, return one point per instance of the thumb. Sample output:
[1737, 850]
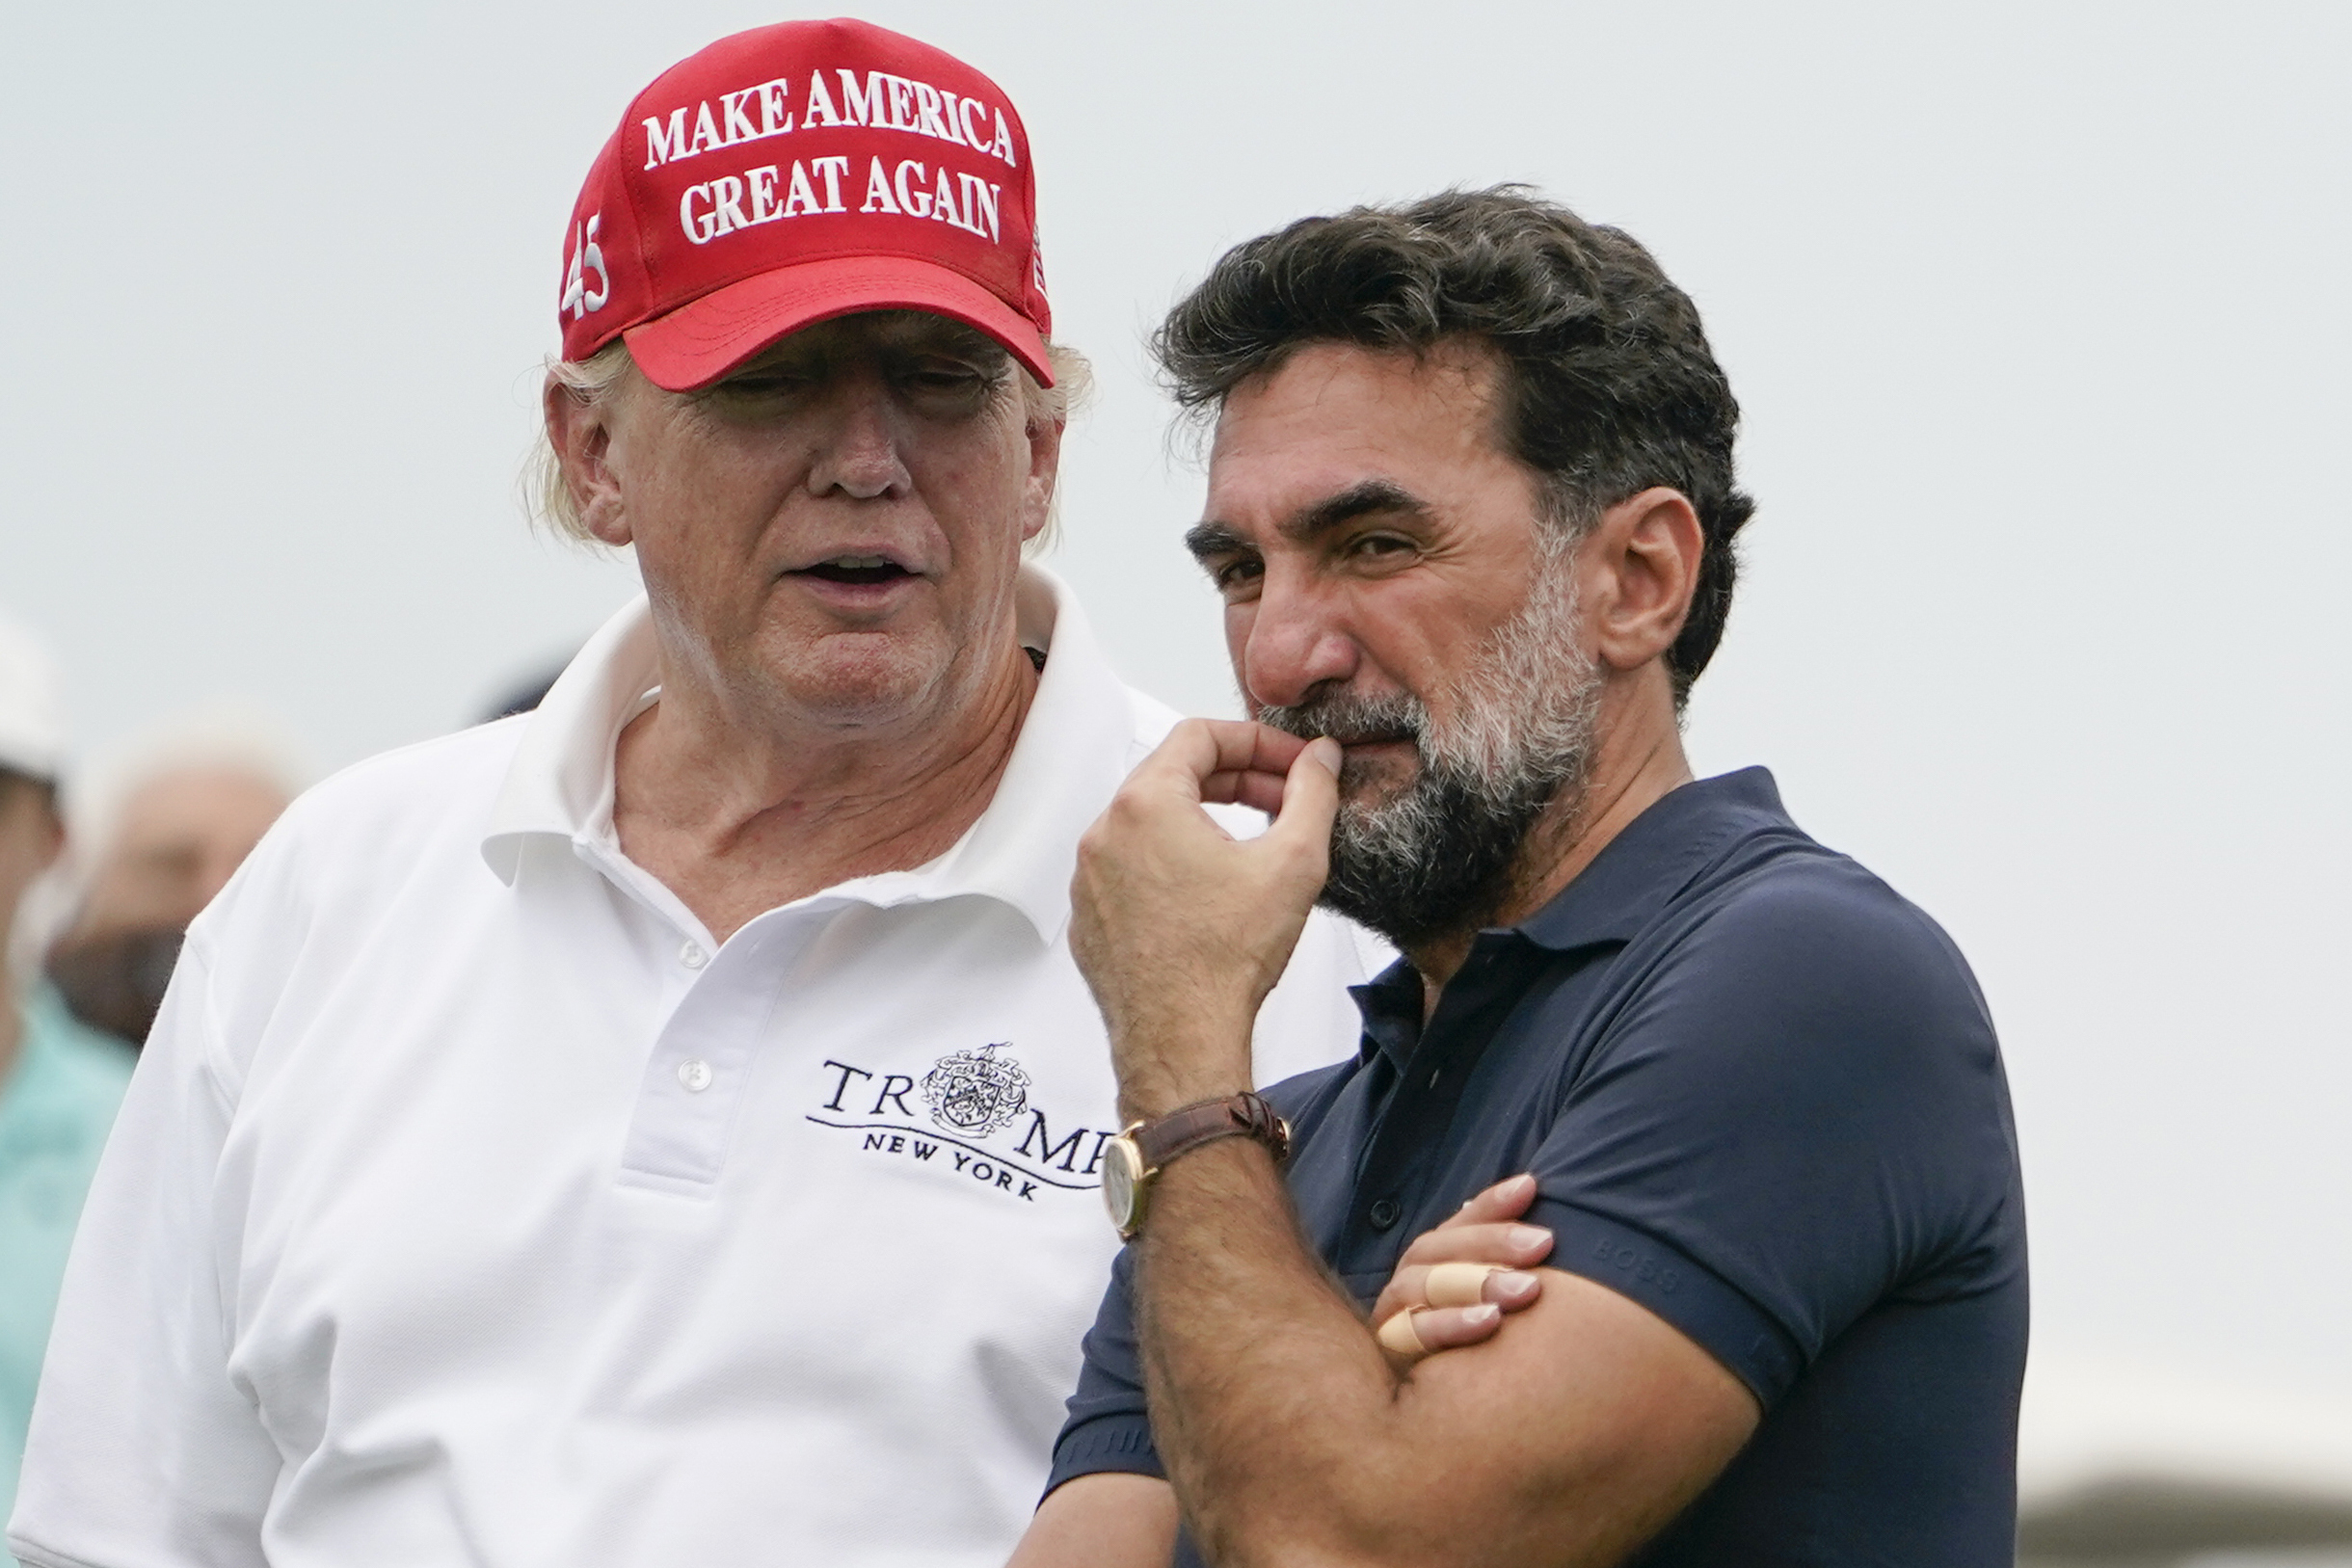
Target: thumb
[1310, 801]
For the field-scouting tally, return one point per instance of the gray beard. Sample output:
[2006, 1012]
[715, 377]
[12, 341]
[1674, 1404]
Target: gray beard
[1437, 859]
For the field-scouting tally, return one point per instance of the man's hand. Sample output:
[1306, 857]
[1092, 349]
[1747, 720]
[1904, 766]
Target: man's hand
[1179, 929]
[1455, 1283]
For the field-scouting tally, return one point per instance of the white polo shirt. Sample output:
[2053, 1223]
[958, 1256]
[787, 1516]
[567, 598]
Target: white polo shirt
[472, 1206]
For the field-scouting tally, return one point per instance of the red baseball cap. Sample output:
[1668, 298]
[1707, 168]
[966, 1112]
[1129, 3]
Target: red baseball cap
[796, 172]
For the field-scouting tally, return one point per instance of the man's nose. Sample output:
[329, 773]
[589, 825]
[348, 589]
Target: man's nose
[1293, 641]
[862, 445]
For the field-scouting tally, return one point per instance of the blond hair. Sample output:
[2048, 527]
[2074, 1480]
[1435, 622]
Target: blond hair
[550, 504]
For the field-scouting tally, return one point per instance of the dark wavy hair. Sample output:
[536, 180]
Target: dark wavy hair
[1608, 387]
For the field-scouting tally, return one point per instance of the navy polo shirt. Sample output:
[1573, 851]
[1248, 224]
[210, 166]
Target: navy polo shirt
[1762, 1097]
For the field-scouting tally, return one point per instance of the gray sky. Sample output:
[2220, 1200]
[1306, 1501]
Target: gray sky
[2037, 315]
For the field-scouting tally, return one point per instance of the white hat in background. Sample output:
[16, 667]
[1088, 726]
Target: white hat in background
[32, 733]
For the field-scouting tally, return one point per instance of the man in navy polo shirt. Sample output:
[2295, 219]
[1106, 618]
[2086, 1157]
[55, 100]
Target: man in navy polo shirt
[1471, 511]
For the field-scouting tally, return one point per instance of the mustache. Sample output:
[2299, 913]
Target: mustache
[1351, 720]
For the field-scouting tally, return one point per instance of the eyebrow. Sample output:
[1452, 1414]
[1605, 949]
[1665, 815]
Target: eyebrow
[1362, 498]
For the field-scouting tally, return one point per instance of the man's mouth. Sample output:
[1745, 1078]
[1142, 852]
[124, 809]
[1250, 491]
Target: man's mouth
[863, 571]
[1375, 737]
[1359, 724]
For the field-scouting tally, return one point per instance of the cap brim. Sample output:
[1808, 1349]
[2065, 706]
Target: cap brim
[703, 339]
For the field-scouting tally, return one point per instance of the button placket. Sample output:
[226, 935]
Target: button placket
[702, 1059]
[1421, 1106]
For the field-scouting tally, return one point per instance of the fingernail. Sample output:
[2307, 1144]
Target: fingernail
[1519, 1184]
[1511, 1285]
[1479, 1316]
[1326, 751]
[1530, 1239]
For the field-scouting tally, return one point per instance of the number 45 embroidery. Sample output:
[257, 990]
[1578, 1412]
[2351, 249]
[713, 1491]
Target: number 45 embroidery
[586, 258]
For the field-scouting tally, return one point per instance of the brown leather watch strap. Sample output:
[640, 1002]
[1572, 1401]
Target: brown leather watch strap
[1188, 1127]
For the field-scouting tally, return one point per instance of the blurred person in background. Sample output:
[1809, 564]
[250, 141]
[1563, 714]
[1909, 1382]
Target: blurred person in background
[60, 1081]
[156, 837]
[666, 1128]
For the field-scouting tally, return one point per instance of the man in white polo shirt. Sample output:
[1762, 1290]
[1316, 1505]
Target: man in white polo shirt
[665, 1128]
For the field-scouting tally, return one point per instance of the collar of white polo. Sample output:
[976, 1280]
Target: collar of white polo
[560, 782]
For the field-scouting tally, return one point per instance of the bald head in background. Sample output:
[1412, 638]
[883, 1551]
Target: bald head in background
[177, 839]
[179, 831]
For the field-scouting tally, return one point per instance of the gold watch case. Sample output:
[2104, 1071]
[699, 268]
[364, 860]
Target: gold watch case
[1127, 1185]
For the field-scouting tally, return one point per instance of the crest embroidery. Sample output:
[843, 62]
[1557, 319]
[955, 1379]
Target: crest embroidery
[975, 1092]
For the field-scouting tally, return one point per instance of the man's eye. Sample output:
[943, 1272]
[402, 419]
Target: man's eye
[947, 377]
[1371, 545]
[1236, 573]
[766, 383]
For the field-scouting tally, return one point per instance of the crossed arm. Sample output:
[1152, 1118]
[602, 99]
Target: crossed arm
[1289, 1436]
[1115, 1519]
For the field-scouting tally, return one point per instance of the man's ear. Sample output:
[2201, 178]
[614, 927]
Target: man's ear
[1044, 472]
[582, 433]
[1642, 567]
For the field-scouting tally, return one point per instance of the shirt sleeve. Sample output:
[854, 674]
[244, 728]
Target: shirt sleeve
[1109, 1428]
[1797, 1109]
[143, 1454]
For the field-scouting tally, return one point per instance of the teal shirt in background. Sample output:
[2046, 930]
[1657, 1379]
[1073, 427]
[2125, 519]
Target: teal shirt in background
[56, 1104]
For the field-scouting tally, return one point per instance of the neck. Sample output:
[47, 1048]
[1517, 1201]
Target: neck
[1640, 759]
[737, 817]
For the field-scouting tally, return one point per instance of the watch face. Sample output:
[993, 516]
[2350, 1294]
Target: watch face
[1122, 1166]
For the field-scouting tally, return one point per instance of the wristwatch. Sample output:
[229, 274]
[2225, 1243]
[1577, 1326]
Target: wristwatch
[1132, 1160]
